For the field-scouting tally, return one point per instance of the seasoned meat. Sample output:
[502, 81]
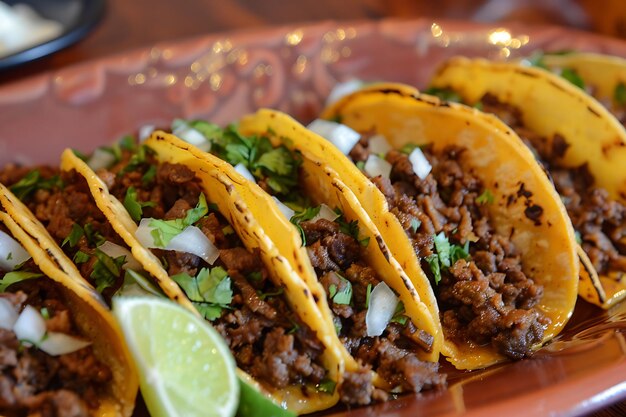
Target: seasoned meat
[480, 292]
[35, 383]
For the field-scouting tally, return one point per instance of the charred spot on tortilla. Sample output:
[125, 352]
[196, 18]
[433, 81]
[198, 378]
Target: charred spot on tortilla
[593, 111]
[534, 212]
[523, 192]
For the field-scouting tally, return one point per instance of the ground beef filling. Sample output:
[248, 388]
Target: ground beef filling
[486, 298]
[268, 340]
[333, 252]
[33, 383]
[599, 219]
[63, 206]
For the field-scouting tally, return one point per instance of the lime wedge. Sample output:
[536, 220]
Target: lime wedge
[185, 368]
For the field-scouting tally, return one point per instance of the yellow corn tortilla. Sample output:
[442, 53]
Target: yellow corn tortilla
[90, 313]
[498, 157]
[551, 105]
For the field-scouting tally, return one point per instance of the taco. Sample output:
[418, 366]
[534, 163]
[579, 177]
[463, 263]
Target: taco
[351, 264]
[63, 353]
[601, 76]
[580, 144]
[486, 225]
[187, 224]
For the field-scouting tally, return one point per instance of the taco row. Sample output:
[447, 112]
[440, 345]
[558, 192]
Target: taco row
[336, 270]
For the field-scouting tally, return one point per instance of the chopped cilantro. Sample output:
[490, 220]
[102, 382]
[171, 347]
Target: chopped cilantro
[106, 270]
[80, 155]
[326, 385]
[93, 237]
[445, 94]
[165, 230]
[210, 290]
[573, 77]
[33, 182]
[398, 315]
[360, 165]
[9, 256]
[80, 257]
[294, 328]
[415, 224]
[133, 205]
[75, 234]
[536, 59]
[228, 230]
[342, 296]
[351, 229]
[442, 245]
[265, 295]
[336, 118]
[128, 143]
[16, 276]
[433, 263]
[255, 276]
[478, 105]
[407, 148]
[459, 252]
[139, 157]
[304, 215]
[619, 94]
[332, 290]
[368, 294]
[485, 198]
[45, 313]
[149, 175]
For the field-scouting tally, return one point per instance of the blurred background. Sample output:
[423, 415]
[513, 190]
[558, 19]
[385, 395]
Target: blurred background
[119, 25]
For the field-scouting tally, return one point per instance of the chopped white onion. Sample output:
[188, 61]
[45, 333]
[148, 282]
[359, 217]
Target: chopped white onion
[100, 159]
[375, 166]
[115, 251]
[8, 315]
[60, 343]
[192, 240]
[144, 234]
[382, 306]
[12, 253]
[326, 213]
[343, 137]
[287, 212]
[378, 144]
[191, 135]
[245, 172]
[145, 131]
[30, 325]
[343, 89]
[420, 164]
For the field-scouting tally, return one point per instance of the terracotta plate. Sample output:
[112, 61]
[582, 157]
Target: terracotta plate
[222, 77]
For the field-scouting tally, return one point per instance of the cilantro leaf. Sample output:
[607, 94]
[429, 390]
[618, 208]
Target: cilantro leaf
[573, 77]
[619, 94]
[459, 252]
[445, 94]
[326, 385]
[106, 270]
[16, 276]
[351, 228]
[278, 160]
[368, 294]
[442, 245]
[398, 315]
[433, 263]
[149, 175]
[94, 237]
[32, 182]
[80, 257]
[343, 296]
[415, 224]
[302, 216]
[76, 233]
[265, 295]
[164, 230]
[210, 290]
[133, 205]
[486, 197]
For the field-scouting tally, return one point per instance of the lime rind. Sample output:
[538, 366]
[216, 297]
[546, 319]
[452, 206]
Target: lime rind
[185, 367]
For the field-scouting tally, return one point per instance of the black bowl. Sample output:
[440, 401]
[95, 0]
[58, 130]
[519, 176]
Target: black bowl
[77, 17]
